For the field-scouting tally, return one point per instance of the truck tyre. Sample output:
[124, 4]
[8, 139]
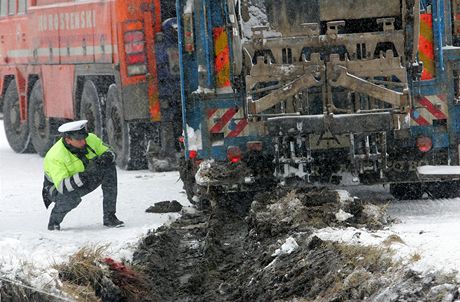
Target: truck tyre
[123, 137]
[187, 176]
[39, 124]
[406, 191]
[90, 108]
[443, 189]
[17, 132]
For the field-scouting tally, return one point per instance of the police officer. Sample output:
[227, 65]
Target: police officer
[76, 165]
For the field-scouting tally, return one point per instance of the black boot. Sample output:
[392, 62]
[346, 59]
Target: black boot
[112, 221]
[54, 227]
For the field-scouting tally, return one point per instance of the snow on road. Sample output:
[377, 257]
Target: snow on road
[428, 228]
[432, 229]
[27, 248]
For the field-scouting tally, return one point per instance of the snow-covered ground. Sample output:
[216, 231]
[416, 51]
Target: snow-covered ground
[432, 229]
[27, 248]
[429, 229]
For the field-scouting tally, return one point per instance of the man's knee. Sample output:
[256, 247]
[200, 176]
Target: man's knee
[109, 172]
[104, 172]
[112, 167]
[67, 201]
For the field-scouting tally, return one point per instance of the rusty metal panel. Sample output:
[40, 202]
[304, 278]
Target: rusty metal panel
[358, 9]
[58, 98]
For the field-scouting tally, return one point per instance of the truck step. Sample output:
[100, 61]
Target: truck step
[442, 172]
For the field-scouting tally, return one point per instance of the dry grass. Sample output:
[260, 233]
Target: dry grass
[82, 267]
[359, 268]
[369, 257]
[79, 292]
[82, 275]
[385, 207]
[393, 239]
[415, 257]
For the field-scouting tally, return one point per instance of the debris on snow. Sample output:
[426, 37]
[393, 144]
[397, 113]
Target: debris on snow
[342, 215]
[288, 247]
[166, 206]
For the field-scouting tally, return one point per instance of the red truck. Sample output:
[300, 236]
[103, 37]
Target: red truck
[63, 60]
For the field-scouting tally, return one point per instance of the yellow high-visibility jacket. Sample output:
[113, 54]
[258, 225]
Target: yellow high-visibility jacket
[63, 168]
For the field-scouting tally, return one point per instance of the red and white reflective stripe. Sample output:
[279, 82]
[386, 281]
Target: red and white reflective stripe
[429, 108]
[229, 121]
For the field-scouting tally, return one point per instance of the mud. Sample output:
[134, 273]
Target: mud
[17, 292]
[211, 171]
[166, 206]
[266, 252]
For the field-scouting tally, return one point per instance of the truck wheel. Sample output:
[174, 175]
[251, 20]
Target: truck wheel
[406, 191]
[122, 136]
[39, 124]
[90, 108]
[17, 132]
[187, 175]
[443, 189]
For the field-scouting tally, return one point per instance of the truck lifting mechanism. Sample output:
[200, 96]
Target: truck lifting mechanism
[308, 92]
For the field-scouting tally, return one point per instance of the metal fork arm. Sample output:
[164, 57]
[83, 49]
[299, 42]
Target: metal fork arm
[290, 89]
[349, 81]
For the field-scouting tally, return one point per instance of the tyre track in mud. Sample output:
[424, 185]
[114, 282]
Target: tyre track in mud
[193, 254]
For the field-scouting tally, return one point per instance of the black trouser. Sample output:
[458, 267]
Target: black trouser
[105, 177]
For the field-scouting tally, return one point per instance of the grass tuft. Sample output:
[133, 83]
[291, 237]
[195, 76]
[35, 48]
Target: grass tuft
[89, 273]
[415, 257]
[82, 267]
[80, 293]
[393, 239]
[368, 257]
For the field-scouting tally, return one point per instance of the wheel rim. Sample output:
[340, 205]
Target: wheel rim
[40, 122]
[16, 130]
[90, 109]
[15, 119]
[90, 116]
[115, 129]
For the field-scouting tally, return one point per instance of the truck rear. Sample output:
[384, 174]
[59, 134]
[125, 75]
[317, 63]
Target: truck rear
[304, 92]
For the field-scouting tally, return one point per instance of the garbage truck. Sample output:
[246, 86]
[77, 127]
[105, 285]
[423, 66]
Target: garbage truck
[297, 93]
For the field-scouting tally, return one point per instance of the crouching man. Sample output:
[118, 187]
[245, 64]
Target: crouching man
[76, 165]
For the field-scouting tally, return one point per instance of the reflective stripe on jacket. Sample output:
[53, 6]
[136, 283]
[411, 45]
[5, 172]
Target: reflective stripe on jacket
[63, 167]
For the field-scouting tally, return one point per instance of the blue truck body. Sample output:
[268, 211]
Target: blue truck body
[373, 93]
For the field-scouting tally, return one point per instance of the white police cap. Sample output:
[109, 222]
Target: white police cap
[74, 129]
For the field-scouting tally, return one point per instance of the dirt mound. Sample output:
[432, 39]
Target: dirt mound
[270, 254]
[166, 206]
[301, 210]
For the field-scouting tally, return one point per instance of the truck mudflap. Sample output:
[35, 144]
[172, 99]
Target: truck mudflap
[438, 173]
[336, 124]
[222, 174]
